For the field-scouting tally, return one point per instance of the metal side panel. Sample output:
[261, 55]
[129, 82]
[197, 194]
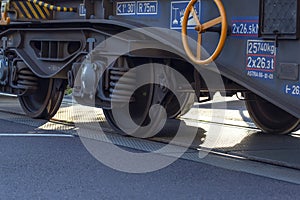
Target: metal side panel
[268, 67]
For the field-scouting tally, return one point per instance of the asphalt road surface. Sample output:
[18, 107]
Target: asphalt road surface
[61, 168]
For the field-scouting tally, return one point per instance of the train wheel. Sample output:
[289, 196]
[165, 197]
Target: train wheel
[173, 108]
[46, 100]
[135, 118]
[138, 110]
[268, 117]
[297, 128]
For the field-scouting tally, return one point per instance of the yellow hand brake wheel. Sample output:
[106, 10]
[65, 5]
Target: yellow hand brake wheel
[201, 28]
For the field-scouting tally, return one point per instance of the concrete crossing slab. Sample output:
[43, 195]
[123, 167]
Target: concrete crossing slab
[236, 136]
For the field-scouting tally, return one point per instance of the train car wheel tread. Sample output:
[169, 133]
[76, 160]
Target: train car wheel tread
[44, 102]
[268, 117]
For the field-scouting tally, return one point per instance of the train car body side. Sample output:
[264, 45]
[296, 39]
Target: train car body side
[45, 45]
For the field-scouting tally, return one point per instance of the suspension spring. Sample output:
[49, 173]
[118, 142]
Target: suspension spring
[122, 84]
[26, 79]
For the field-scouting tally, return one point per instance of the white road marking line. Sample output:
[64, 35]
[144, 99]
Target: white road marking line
[8, 95]
[34, 135]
